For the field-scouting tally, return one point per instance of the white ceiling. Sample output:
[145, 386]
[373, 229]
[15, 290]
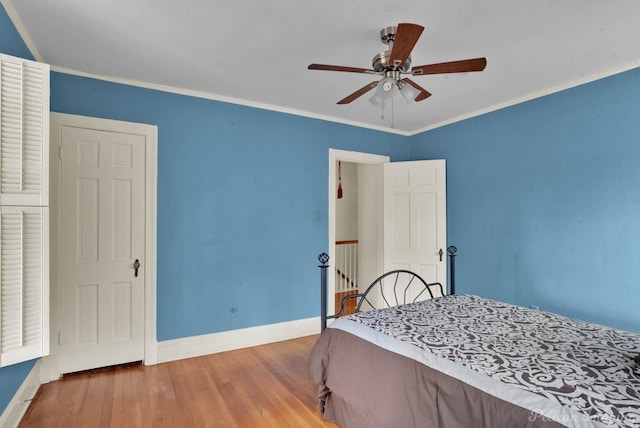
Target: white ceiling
[257, 52]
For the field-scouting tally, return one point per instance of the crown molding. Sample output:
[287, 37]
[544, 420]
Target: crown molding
[225, 99]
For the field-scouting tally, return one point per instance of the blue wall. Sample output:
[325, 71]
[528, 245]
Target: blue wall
[11, 42]
[544, 201]
[11, 377]
[242, 202]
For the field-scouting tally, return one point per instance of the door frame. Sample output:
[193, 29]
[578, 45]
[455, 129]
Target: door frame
[51, 366]
[336, 155]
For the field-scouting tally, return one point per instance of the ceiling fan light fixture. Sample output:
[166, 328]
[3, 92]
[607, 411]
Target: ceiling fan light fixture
[377, 100]
[387, 87]
[385, 90]
[409, 93]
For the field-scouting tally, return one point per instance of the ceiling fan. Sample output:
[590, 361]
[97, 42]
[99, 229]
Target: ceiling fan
[395, 62]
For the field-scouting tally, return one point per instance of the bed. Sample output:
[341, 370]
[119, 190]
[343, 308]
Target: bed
[467, 361]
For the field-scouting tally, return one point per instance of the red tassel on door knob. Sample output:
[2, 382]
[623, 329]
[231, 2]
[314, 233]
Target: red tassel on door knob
[339, 182]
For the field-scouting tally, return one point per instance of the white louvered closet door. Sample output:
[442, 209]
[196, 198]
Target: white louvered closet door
[22, 232]
[24, 119]
[24, 200]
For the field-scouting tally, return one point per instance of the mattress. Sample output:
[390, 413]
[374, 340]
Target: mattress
[480, 363]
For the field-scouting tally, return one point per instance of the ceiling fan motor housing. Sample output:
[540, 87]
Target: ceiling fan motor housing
[381, 62]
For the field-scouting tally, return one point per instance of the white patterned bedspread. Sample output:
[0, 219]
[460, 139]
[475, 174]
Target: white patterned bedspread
[573, 372]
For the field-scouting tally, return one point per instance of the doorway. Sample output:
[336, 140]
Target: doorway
[369, 200]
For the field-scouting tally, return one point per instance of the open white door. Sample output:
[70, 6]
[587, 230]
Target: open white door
[415, 223]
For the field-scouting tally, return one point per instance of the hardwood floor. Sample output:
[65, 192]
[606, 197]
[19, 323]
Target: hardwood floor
[263, 386]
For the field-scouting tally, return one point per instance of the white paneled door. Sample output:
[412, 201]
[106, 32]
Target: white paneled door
[415, 224]
[102, 244]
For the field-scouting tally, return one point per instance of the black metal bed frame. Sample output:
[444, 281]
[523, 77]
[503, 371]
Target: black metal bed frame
[324, 259]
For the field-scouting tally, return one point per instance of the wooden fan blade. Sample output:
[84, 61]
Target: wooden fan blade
[407, 36]
[340, 68]
[464, 66]
[360, 92]
[424, 94]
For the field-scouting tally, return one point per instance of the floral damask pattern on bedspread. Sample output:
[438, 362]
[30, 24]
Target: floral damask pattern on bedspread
[586, 367]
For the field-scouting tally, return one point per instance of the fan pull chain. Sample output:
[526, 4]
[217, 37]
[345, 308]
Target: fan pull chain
[392, 111]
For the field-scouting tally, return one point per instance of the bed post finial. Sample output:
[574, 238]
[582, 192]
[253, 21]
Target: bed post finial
[452, 269]
[323, 258]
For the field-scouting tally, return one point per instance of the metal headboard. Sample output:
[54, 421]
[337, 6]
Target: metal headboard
[398, 294]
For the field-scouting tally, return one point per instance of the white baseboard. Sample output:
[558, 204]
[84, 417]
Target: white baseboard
[19, 404]
[171, 350]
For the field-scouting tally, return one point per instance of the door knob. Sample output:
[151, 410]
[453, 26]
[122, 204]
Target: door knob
[136, 266]
[440, 253]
